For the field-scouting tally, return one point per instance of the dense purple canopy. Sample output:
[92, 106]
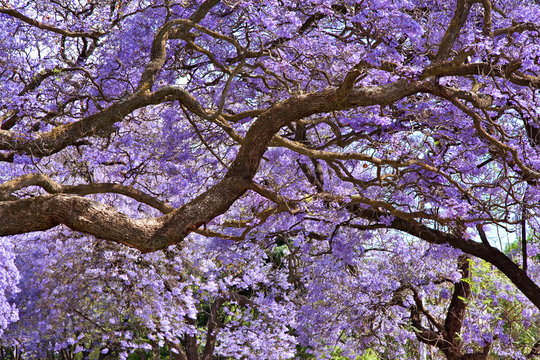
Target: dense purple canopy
[270, 179]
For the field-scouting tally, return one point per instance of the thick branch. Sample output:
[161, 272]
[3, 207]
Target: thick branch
[488, 7]
[488, 253]
[238, 178]
[156, 234]
[47, 143]
[53, 141]
[463, 8]
[78, 213]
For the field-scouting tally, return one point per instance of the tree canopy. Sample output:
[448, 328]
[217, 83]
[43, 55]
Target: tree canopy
[266, 179]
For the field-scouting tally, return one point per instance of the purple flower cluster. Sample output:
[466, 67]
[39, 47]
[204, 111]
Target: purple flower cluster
[270, 179]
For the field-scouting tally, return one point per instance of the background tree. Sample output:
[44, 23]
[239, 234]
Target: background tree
[146, 122]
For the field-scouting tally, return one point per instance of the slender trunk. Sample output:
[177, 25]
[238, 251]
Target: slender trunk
[190, 343]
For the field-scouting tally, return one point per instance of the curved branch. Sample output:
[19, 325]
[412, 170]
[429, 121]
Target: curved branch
[16, 14]
[48, 143]
[517, 28]
[238, 178]
[52, 187]
[419, 306]
[488, 253]
[451, 96]
[332, 156]
[156, 234]
[78, 213]
[158, 53]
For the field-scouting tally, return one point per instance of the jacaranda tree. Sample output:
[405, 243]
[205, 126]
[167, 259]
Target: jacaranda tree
[270, 179]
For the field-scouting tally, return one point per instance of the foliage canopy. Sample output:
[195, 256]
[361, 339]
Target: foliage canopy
[259, 179]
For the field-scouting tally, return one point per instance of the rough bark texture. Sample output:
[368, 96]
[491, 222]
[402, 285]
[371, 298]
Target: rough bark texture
[66, 205]
[446, 337]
